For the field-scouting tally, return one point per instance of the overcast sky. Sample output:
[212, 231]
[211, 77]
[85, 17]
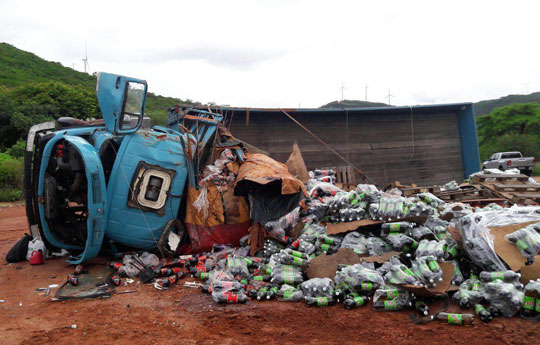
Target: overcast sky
[278, 53]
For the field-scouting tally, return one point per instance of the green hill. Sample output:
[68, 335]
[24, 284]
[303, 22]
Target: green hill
[348, 103]
[486, 107]
[480, 108]
[19, 68]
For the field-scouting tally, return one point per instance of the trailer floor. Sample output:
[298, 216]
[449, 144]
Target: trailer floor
[183, 315]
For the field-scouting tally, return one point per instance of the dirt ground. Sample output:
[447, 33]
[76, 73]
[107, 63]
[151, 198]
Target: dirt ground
[186, 316]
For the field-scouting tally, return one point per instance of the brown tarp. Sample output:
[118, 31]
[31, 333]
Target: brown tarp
[262, 169]
[296, 164]
[216, 214]
[236, 207]
[257, 234]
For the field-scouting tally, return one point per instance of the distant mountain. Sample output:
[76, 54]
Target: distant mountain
[486, 107]
[348, 103]
[480, 108]
[19, 68]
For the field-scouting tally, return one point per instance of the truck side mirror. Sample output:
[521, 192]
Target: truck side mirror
[121, 100]
[133, 108]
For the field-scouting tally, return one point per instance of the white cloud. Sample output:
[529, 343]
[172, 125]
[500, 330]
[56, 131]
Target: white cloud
[286, 53]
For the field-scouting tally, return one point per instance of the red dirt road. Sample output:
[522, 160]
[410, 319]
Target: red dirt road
[185, 316]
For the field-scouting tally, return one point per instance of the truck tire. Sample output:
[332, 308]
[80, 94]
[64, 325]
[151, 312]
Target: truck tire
[501, 168]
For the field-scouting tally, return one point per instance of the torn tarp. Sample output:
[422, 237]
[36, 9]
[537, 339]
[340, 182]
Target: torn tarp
[272, 189]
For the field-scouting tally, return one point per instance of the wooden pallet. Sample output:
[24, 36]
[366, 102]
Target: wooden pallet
[525, 193]
[499, 177]
[345, 176]
[529, 187]
[412, 191]
[467, 194]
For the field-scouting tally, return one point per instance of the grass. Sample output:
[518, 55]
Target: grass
[536, 171]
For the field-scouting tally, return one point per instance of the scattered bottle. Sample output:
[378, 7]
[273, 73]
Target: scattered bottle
[319, 301]
[455, 319]
[529, 300]
[421, 307]
[229, 297]
[115, 280]
[352, 303]
[73, 280]
[272, 293]
[483, 314]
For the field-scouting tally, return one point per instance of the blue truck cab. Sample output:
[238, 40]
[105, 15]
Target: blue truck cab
[111, 181]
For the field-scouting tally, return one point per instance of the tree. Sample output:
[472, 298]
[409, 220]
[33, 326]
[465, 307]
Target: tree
[521, 118]
[22, 107]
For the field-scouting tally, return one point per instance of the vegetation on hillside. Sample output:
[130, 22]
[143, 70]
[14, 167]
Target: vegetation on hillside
[33, 90]
[513, 127]
[486, 107]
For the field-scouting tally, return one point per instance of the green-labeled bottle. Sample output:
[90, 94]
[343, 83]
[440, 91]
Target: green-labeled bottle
[455, 319]
[319, 301]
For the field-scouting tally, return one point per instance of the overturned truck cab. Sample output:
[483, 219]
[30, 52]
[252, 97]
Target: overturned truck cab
[110, 182]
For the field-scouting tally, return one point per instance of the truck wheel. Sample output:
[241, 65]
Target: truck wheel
[501, 168]
[528, 173]
[483, 168]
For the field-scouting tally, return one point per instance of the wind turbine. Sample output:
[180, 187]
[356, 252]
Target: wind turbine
[85, 60]
[389, 96]
[342, 88]
[367, 87]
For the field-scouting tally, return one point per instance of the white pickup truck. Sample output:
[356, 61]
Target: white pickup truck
[510, 160]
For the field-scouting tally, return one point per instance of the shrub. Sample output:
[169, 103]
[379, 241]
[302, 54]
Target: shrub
[11, 177]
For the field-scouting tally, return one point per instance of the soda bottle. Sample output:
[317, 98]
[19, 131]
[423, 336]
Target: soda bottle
[352, 295]
[261, 294]
[494, 311]
[451, 252]
[505, 276]
[115, 265]
[229, 297]
[264, 278]
[455, 319]
[73, 280]
[115, 280]
[338, 295]
[251, 292]
[388, 305]
[529, 300]
[297, 254]
[291, 295]
[355, 302]
[368, 288]
[421, 307]
[482, 313]
[319, 301]
[201, 275]
[272, 293]
[219, 285]
[167, 282]
[163, 272]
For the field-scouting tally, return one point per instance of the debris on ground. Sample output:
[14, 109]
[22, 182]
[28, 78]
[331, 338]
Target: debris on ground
[254, 232]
